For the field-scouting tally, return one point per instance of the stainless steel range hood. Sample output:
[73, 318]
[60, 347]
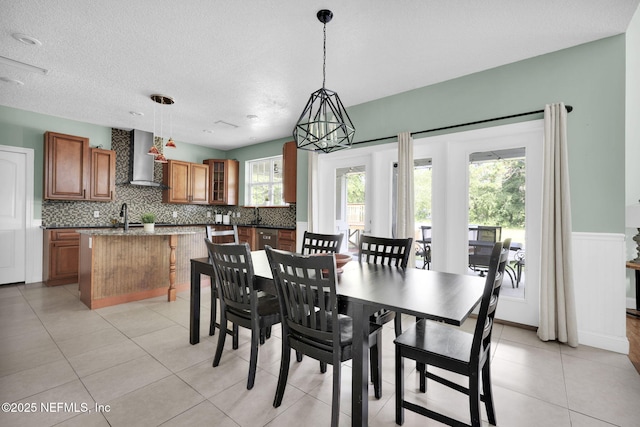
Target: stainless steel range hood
[140, 163]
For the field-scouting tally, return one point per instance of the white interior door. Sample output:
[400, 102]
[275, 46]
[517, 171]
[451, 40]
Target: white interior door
[13, 208]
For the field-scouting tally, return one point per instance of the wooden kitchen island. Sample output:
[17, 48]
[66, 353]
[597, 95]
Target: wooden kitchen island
[117, 266]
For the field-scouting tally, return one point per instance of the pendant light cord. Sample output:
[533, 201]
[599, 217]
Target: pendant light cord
[324, 55]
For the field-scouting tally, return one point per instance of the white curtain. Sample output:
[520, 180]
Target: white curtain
[312, 193]
[557, 301]
[405, 226]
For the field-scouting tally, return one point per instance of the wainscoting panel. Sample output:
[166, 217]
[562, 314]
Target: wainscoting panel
[600, 290]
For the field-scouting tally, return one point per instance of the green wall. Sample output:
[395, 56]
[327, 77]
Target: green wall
[19, 128]
[590, 77]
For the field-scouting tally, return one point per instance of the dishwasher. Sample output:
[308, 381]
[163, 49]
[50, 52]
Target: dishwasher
[267, 236]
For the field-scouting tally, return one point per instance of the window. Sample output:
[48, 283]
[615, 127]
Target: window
[264, 182]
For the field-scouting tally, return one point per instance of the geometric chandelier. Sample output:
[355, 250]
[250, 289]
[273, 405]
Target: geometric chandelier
[324, 124]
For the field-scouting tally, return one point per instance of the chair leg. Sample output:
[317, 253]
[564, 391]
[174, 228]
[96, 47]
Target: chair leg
[263, 333]
[399, 386]
[268, 332]
[375, 359]
[284, 373]
[335, 399]
[253, 359]
[221, 337]
[298, 356]
[212, 323]
[235, 336]
[487, 393]
[397, 324]
[474, 399]
[323, 367]
[422, 372]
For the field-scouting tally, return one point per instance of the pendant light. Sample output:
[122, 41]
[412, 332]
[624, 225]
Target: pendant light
[324, 124]
[158, 156]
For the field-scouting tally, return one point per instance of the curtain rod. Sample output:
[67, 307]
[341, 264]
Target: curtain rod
[568, 107]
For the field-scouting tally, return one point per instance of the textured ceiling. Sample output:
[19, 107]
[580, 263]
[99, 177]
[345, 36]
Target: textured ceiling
[225, 60]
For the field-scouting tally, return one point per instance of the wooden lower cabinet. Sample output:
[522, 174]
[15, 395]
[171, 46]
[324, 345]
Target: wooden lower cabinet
[247, 235]
[287, 240]
[60, 261]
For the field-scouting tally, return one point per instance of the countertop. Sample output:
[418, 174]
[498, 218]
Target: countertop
[138, 231]
[159, 226]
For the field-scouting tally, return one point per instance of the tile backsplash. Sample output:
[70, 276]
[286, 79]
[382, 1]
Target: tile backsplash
[149, 199]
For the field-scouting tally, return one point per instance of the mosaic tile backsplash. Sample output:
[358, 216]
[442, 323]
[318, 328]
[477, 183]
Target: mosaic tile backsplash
[140, 200]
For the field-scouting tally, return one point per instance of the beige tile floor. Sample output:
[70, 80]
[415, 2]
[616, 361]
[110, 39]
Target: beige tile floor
[136, 361]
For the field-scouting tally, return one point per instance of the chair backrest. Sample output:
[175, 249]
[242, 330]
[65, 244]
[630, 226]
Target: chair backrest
[234, 275]
[382, 250]
[222, 236]
[486, 233]
[300, 281]
[489, 302]
[314, 243]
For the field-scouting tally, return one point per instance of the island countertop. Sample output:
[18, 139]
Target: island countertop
[138, 231]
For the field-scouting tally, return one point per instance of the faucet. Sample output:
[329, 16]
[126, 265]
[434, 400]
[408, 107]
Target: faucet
[258, 219]
[124, 213]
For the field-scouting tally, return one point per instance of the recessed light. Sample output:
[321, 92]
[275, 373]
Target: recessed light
[13, 81]
[23, 38]
[252, 138]
[207, 131]
[136, 113]
[252, 117]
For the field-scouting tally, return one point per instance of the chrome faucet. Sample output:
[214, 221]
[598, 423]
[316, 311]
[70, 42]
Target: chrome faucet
[124, 213]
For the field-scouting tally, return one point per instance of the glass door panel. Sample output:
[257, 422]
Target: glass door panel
[497, 210]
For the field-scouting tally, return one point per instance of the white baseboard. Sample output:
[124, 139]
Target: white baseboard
[605, 342]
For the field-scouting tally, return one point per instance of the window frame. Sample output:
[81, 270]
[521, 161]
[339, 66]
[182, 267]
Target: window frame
[249, 183]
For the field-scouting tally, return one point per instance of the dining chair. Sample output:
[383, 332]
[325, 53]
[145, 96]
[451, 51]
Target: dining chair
[382, 250]
[424, 246]
[313, 243]
[240, 302]
[311, 323]
[452, 349]
[220, 236]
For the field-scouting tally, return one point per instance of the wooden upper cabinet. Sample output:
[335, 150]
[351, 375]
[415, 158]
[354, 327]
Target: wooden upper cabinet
[66, 167]
[199, 184]
[185, 182]
[223, 181]
[103, 174]
[290, 166]
[74, 171]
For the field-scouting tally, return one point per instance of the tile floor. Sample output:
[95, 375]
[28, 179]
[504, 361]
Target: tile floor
[135, 361]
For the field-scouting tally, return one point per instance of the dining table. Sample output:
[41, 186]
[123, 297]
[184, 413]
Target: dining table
[362, 290]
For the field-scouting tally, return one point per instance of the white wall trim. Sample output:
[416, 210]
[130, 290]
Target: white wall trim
[600, 290]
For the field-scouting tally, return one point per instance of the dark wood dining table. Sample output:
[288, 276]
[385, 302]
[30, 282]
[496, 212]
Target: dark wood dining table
[362, 290]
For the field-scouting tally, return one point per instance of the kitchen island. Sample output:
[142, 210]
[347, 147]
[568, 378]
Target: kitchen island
[117, 266]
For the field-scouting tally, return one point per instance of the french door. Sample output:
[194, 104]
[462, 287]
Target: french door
[449, 156]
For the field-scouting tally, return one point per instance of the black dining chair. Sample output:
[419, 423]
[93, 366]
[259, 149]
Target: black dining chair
[311, 323]
[240, 302]
[385, 251]
[452, 349]
[315, 243]
[220, 236]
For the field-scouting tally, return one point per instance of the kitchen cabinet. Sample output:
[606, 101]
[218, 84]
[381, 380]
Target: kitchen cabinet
[74, 171]
[103, 174]
[184, 182]
[247, 235]
[60, 260]
[223, 181]
[287, 240]
[290, 166]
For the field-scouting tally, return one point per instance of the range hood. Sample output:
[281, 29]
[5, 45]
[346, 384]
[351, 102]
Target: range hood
[140, 163]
